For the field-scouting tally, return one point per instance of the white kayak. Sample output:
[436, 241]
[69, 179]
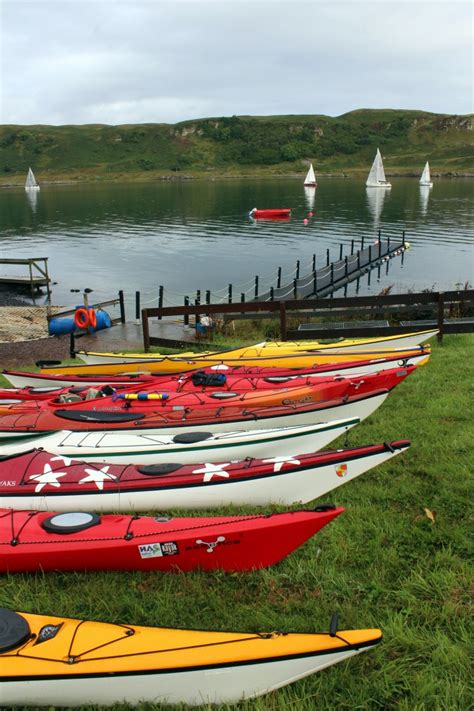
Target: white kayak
[41, 481]
[184, 447]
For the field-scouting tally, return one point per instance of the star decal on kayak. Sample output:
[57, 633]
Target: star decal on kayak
[98, 476]
[280, 461]
[65, 460]
[210, 470]
[47, 477]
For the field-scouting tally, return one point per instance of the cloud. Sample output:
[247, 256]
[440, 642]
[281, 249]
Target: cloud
[118, 61]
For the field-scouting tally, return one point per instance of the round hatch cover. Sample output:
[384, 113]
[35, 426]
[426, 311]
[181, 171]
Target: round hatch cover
[14, 630]
[72, 522]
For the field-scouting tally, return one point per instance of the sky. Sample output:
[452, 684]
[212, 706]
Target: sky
[155, 61]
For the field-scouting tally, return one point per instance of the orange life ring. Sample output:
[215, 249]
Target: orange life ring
[92, 318]
[81, 318]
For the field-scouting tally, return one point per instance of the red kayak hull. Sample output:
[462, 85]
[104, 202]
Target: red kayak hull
[118, 542]
[276, 213]
[188, 409]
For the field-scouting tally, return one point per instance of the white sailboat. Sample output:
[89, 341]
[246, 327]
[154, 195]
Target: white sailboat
[310, 180]
[376, 178]
[31, 183]
[425, 179]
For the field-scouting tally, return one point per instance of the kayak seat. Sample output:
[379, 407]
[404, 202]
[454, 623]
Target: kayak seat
[191, 437]
[159, 469]
[97, 416]
[69, 397]
[208, 379]
[14, 630]
[223, 396]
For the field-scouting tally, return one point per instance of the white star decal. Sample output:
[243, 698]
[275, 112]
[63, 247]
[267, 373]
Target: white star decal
[210, 470]
[47, 477]
[280, 461]
[65, 460]
[98, 476]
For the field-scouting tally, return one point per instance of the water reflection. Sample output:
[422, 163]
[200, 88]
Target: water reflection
[32, 196]
[424, 198]
[309, 196]
[375, 201]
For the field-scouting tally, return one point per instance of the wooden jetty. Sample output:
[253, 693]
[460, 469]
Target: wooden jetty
[36, 278]
[324, 281]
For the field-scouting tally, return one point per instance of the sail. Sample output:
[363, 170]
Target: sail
[425, 176]
[31, 181]
[310, 176]
[376, 177]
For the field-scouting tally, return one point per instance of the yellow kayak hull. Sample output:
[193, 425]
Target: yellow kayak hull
[51, 660]
[180, 363]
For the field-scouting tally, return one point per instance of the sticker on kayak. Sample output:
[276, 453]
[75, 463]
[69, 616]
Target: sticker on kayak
[157, 550]
[341, 470]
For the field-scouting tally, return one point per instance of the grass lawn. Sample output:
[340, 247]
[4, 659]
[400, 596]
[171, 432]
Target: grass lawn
[397, 559]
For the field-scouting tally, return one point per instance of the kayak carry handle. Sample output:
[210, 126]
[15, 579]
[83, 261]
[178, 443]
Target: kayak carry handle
[45, 363]
[333, 625]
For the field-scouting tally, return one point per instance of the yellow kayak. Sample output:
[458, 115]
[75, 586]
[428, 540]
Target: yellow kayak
[273, 348]
[181, 363]
[49, 661]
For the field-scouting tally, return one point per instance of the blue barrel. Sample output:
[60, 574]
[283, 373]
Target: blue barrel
[61, 326]
[103, 320]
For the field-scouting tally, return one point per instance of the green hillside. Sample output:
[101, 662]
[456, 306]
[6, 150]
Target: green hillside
[240, 145]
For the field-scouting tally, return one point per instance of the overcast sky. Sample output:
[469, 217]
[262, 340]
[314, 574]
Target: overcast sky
[151, 61]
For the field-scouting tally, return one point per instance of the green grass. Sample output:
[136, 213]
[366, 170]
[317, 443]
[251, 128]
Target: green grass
[239, 146]
[383, 563]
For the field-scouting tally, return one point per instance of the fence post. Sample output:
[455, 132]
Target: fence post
[272, 294]
[146, 331]
[340, 251]
[208, 296]
[295, 288]
[242, 300]
[122, 306]
[186, 315]
[358, 259]
[403, 238]
[298, 269]
[346, 266]
[332, 273]
[160, 301]
[314, 263]
[440, 316]
[283, 320]
[380, 246]
[137, 306]
[229, 294]
[388, 245]
[279, 278]
[72, 345]
[256, 287]
[327, 257]
[352, 246]
[362, 242]
[315, 283]
[370, 253]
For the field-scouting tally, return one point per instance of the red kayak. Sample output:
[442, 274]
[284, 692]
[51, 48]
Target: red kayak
[219, 410]
[44, 541]
[47, 481]
[275, 213]
[39, 386]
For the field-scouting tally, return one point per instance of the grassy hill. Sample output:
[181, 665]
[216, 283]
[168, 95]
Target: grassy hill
[240, 145]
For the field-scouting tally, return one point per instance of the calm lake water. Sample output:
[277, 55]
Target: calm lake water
[190, 235]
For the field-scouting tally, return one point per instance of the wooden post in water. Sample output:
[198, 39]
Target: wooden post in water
[146, 332]
[346, 267]
[403, 238]
[208, 296]
[186, 315]
[362, 242]
[332, 273]
[380, 243]
[160, 300]
[370, 254]
[122, 306]
[272, 294]
[229, 294]
[298, 269]
[283, 320]
[256, 287]
[279, 278]
[327, 258]
[440, 315]
[314, 263]
[242, 299]
[341, 246]
[137, 307]
[352, 246]
[315, 282]
[295, 288]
